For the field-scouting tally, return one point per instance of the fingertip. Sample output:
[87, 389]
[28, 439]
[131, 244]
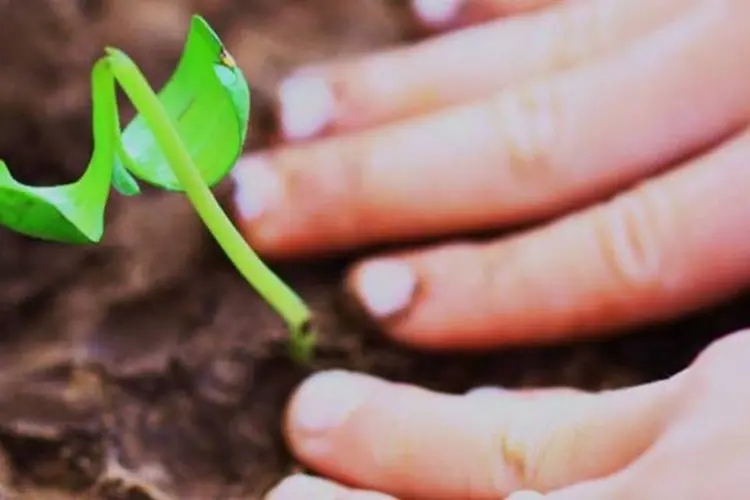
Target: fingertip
[257, 188]
[385, 288]
[307, 106]
[412, 298]
[436, 14]
[259, 194]
[436, 298]
[320, 407]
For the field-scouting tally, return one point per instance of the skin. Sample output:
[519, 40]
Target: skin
[685, 437]
[618, 130]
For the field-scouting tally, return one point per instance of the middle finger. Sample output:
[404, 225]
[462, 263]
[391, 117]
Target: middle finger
[526, 153]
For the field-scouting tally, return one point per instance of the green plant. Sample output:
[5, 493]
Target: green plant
[184, 138]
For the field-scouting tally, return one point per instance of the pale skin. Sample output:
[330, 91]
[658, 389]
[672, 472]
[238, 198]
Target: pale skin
[623, 124]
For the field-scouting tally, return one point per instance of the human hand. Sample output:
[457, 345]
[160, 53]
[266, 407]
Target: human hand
[622, 122]
[685, 437]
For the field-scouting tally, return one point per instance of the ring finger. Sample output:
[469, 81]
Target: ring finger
[672, 244]
[365, 92]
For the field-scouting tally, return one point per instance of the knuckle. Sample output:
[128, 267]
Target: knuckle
[364, 90]
[393, 458]
[629, 236]
[350, 85]
[355, 158]
[529, 120]
[556, 439]
[328, 175]
[575, 29]
[494, 267]
[508, 465]
[524, 453]
[528, 447]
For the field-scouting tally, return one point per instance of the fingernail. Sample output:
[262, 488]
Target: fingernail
[300, 486]
[436, 13]
[486, 391]
[326, 400]
[307, 106]
[257, 187]
[385, 288]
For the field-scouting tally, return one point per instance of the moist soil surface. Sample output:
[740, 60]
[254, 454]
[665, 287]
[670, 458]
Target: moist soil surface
[144, 367]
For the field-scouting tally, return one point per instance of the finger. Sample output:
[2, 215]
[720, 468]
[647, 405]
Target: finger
[302, 487]
[411, 443]
[528, 153]
[443, 14]
[673, 244]
[408, 81]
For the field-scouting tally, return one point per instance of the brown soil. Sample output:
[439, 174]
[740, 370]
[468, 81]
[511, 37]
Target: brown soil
[144, 367]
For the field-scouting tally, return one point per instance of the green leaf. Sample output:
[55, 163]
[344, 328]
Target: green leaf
[208, 102]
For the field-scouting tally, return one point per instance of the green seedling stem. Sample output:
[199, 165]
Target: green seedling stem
[184, 138]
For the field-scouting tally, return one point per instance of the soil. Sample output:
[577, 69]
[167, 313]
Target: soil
[145, 367]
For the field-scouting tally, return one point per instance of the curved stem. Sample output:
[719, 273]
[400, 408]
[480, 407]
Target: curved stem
[280, 296]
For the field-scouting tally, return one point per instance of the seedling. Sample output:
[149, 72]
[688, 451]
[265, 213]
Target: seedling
[184, 138]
